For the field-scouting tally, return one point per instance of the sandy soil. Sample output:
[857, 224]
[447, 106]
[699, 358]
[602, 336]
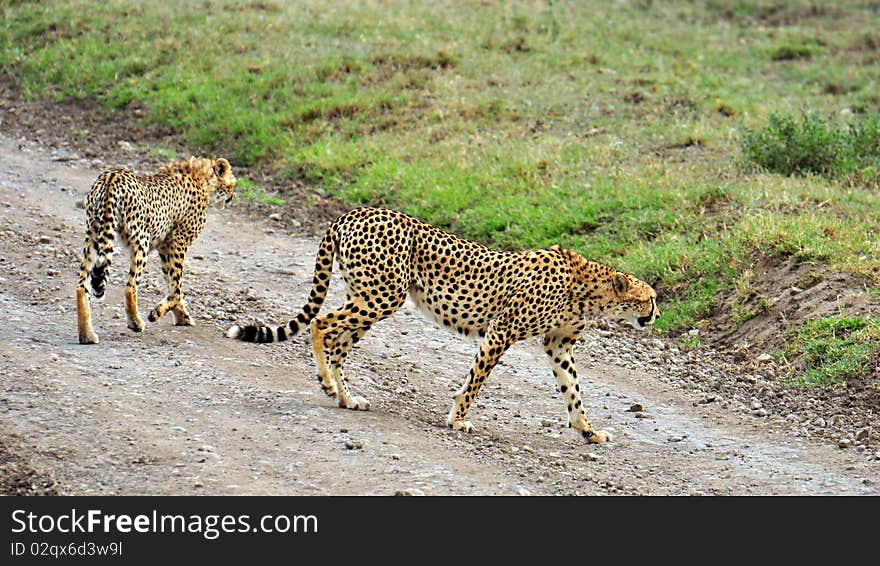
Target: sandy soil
[186, 411]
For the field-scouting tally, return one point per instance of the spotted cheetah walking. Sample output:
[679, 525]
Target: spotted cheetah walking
[502, 297]
[164, 211]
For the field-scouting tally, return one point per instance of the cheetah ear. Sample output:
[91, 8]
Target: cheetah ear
[620, 283]
[221, 167]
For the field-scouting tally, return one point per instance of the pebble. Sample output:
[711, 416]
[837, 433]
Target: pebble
[591, 457]
[354, 445]
[764, 358]
[546, 423]
[844, 442]
[636, 408]
[520, 490]
[409, 492]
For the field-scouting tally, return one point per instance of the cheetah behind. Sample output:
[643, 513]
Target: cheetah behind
[501, 297]
[164, 211]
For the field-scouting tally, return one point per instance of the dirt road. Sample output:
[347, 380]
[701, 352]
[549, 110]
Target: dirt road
[186, 411]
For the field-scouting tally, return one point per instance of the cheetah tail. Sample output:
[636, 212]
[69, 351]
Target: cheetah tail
[320, 285]
[98, 251]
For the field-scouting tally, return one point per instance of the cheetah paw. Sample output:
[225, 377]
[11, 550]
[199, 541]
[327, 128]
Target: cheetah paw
[330, 390]
[88, 337]
[355, 403]
[465, 426]
[136, 325]
[596, 436]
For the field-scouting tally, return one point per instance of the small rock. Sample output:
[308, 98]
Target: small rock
[755, 404]
[126, 145]
[761, 412]
[676, 438]
[591, 457]
[844, 442]
[354, 445]
[764, 358]
[62, 154]
[864, 434]
[412, 491]
[819, 422]
[520, 490]
[636, 407]
[43, 239]
[198, 484]
[546, 423]
[642, 415]
[275, 216]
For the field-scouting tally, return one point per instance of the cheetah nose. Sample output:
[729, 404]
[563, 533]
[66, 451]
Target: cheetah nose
[655, 313]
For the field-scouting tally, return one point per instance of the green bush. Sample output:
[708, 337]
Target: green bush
[812, 145]
[830, 351]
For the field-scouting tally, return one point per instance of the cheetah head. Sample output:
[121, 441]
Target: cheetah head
[634, 301]
[225, 181]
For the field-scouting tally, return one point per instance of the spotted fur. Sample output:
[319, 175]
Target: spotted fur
[501, 297]
[164, 211]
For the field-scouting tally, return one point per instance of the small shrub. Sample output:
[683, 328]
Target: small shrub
[812, 145]
[792, 52]
[830, 351]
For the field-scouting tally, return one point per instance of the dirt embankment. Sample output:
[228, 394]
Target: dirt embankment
[185, 410]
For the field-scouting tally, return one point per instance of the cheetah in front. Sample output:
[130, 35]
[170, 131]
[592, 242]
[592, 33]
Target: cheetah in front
[502, 297]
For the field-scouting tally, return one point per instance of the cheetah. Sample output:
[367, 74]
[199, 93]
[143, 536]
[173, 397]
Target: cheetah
[500, 297]
[164, 211]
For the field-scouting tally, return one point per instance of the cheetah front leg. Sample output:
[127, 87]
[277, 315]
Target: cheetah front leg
[138, 261]
[172, 259]
[558, 347]
[492, 348]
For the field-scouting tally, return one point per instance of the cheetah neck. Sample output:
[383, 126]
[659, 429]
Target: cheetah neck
[591, 285]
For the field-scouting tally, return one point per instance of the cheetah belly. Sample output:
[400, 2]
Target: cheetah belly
[467, 315]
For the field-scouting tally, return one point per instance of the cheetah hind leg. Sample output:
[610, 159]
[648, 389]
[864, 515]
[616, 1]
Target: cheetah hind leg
[138, 261]
[337, 360]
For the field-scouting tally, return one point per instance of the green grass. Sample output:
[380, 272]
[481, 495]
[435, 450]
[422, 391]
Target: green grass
[248, 191]
[614, 128]
[830, 351]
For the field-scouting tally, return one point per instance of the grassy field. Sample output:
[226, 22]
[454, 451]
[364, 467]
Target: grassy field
[614, 128]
